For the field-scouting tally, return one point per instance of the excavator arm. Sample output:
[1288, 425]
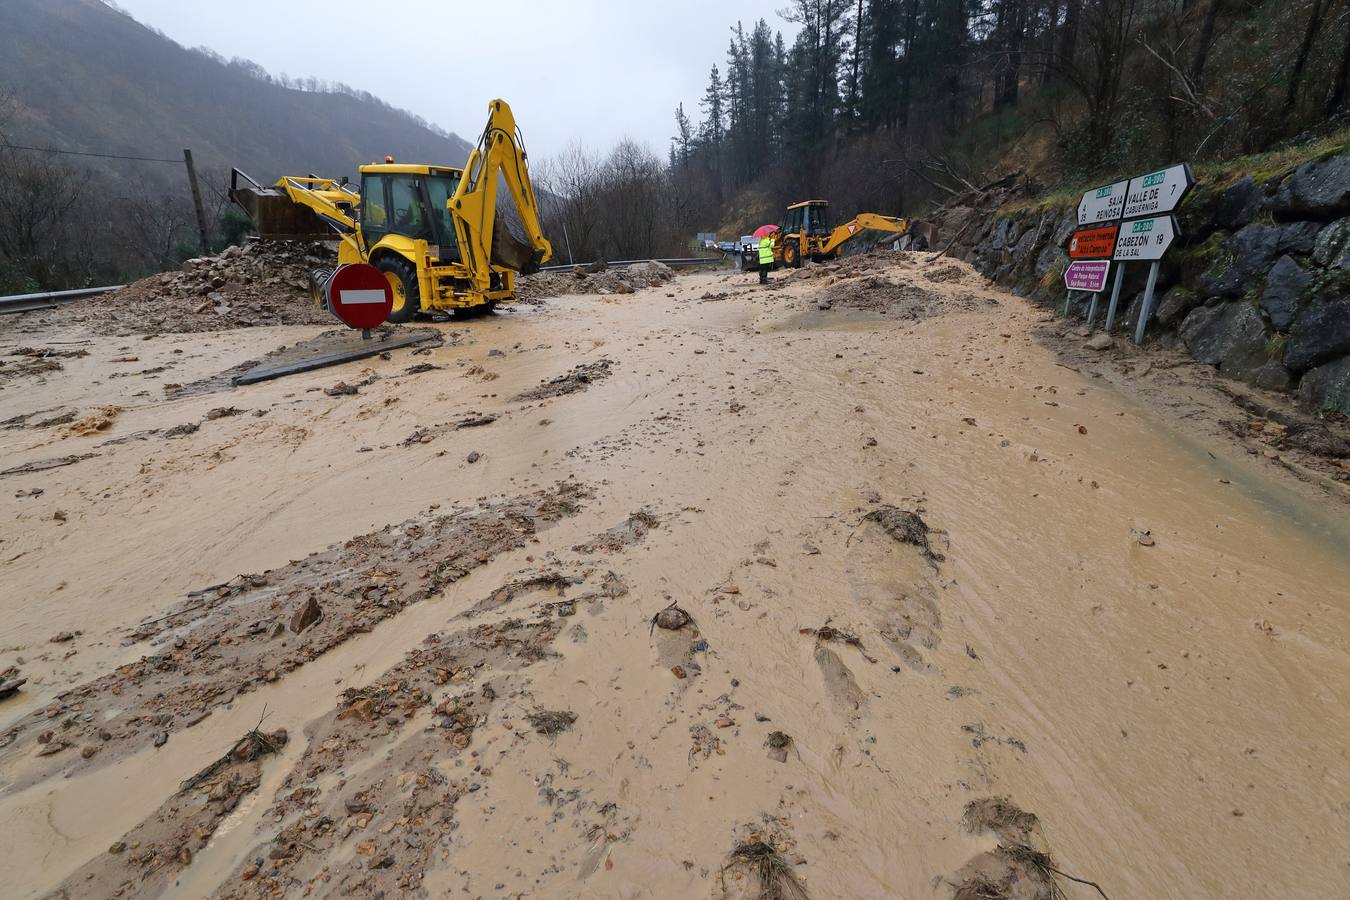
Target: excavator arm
[484, 242]
[863, 222]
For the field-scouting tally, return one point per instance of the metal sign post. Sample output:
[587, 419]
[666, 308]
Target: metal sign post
[1115, 298]
[1144, 240]
[1148, 302]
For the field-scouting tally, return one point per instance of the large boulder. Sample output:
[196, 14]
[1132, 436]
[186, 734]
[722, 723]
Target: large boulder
[1320, 188]
[1068, 224]
[1286, 286]
[1222, 279]
[1327, 387]
[1175, 304]
[1255, 247]
[1332, 248]
[1320, 333]
[1027, 245]
[1232, 337]
[1051, 257]
[1005, 234]
[1240, 204]
[1299, 237]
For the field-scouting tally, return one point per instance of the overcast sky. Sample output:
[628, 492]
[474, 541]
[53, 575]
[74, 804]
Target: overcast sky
[573, 70]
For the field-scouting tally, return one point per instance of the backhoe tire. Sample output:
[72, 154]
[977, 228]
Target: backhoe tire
[402, 278]
[792, 255]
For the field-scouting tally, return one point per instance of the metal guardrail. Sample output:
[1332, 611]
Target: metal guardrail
[619, 264]
[48, 299]
[18, 303]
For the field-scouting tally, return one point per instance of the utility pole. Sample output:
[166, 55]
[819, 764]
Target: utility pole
[197, 202]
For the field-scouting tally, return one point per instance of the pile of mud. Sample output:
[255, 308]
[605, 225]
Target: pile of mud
[259, 283]
[532, 288]
[905, 286]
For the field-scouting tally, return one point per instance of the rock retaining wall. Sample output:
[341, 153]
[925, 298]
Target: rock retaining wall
[1258, 286]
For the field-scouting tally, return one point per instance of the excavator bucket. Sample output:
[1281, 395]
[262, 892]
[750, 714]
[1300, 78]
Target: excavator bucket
[274, 214]
[511, 253]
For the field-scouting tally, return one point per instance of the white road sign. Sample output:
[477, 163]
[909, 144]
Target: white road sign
[1158, 192]
[1102, 204]
[1145, 239]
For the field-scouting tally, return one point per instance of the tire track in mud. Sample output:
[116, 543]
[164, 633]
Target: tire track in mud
[369, 806]
[228, 639]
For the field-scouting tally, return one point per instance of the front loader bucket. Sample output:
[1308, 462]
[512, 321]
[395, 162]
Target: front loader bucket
[274, 215]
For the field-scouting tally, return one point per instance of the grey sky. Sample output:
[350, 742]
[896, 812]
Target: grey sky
[573, 70]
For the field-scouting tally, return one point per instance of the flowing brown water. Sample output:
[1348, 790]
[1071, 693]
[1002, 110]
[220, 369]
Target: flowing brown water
[1173, 713]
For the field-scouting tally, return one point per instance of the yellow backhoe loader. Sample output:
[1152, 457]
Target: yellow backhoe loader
[805, 233]
[432, 230]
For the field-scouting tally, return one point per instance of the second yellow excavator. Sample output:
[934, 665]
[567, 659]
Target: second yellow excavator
[805, 235]
[432, 230]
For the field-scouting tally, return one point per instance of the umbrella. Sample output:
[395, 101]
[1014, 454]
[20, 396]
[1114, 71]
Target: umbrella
[762, 230]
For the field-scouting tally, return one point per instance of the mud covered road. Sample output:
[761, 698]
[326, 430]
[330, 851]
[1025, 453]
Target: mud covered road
[849, 586]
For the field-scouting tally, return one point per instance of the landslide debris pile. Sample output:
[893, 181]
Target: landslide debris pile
[258, 283]
[901, 285]
[593, 280]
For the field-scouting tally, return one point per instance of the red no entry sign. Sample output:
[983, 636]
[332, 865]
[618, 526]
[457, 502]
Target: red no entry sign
[359, 295]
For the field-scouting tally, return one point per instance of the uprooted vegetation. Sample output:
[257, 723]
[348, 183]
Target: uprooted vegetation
[907, 527]
[1015, 869]
[773, 875]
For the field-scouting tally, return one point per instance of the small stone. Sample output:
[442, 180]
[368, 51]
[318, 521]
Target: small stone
[1100, 341]
[678, 672]
[118, 847]
[306, 616]
[567, 609]
[161, 739]
[473, 457]
[62, 637]
[672, 618]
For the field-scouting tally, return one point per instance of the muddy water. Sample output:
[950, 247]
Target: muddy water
[1170, 712]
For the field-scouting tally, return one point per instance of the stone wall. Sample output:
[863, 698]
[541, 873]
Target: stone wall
[1258, 285]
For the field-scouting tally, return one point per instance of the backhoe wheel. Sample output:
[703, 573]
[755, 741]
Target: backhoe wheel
[402, 278]
[792, 255]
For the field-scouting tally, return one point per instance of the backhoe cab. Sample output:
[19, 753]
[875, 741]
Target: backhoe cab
[805, 232]
[432, 230]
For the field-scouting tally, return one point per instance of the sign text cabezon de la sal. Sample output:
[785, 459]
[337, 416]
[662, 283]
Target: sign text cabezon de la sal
[1145, 239]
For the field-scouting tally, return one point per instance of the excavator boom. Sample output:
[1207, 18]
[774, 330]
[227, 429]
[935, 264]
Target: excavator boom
[863, 222]
[500, 155]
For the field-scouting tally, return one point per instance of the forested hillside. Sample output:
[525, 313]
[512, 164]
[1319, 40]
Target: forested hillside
[899, 104]
[79, 75]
